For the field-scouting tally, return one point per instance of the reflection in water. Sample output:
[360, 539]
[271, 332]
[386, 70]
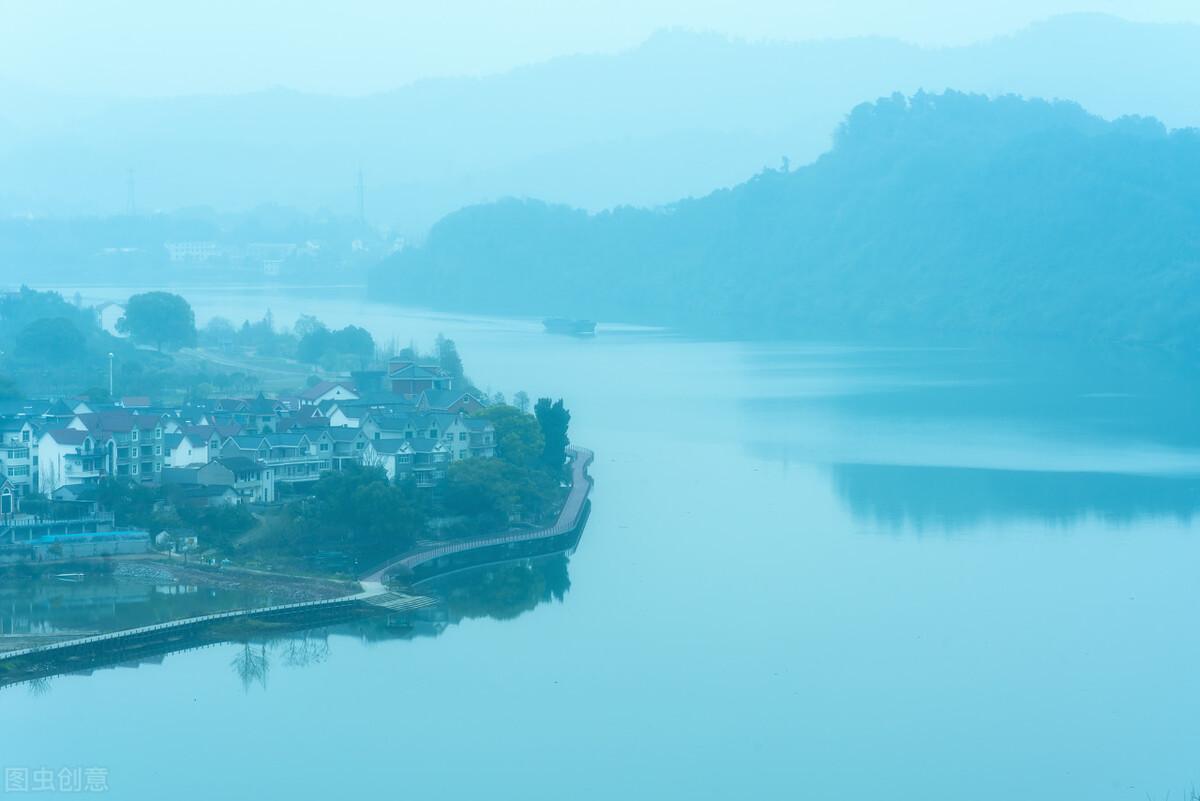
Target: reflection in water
[952, 439]
[252, 664]
[45, 607]
[921, 497]
[500, 592]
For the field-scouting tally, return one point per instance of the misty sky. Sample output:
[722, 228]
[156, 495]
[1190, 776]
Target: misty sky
[148, 47]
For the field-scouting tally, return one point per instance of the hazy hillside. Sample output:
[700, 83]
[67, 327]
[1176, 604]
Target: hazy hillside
[936, 215]
[680, 115]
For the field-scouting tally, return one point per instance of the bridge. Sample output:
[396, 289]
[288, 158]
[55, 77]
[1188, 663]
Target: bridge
[84, 653]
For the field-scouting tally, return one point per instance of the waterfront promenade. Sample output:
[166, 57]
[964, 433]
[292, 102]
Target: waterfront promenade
[568, 520]
[82, 652]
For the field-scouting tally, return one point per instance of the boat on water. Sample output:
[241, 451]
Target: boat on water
[72, 577]
[565, 325]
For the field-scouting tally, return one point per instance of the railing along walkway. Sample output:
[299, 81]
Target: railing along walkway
[568, 519]
[373, 589]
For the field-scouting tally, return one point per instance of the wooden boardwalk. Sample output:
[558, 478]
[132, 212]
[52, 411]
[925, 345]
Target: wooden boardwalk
[568, 520]
[373, 591]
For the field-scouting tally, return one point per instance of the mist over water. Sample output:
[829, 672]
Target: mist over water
[880, 320]
[803, 559]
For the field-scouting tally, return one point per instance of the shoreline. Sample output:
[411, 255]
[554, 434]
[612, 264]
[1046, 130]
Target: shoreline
[371, 585]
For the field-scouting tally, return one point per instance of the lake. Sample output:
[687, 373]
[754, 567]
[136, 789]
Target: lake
[812, 570]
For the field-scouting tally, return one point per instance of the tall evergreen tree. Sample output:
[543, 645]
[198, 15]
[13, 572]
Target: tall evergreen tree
[554, 420]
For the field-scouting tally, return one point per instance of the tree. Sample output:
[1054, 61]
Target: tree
[554, 420]
[521, 401]
[519, 439]
[218, 331]
[159, 318]
[448, 358]
[354, 341]
[54, 340]
[493, 491]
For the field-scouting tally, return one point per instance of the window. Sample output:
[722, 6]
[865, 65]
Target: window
[462, 454]
[449, 436]
[158, 433]
[133, 469]
[158, 467]
[462, 436]
[433, 433]
[324, 446]
[158, 450]
[24, 436]
[134, 435]
[22, 470]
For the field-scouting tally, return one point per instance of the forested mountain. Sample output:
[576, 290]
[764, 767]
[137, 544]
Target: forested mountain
[935, 215]
[680, 115]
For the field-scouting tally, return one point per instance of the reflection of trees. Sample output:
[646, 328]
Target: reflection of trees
[954, 498]
[305, 650]
[506, 591]
[38, 687]
[252, 665]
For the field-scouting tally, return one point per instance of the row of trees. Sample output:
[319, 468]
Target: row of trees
[309, 340]
[523, 480]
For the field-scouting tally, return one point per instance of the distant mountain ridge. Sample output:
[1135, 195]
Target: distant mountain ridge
[678, 116]
[937, 216]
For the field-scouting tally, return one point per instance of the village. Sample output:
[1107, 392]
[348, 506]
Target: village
[406, 418]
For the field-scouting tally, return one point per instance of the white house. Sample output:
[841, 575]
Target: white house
[328, 391]
[185, 449]
[67, 456]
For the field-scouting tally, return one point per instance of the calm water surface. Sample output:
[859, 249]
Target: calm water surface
[811, 571]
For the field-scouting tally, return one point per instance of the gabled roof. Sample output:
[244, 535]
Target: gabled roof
[317, 390]
[261, 404]
[407, 371]
[344, 433]
[117, 421]
[238, 464]
[388, 446]
[228, 405]
[68, 436]
[443, 398]
[246, 442]
[285, 439]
